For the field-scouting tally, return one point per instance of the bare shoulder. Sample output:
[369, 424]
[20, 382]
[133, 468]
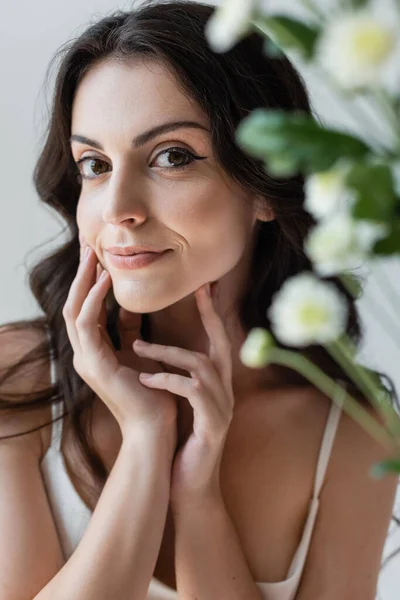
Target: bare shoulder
[289, 423]
[281, 415]
[268, 476]
[31, 377]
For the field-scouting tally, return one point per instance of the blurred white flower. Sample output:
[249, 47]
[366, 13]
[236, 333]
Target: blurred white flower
[255, 350]
[361, 47]
[229, 23]
[326, 192]
[341, 243]
[307, 311]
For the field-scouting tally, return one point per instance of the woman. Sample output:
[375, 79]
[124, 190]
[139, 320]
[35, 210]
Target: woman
[208, 480]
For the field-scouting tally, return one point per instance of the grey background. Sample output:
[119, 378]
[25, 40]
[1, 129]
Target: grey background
[30, 33]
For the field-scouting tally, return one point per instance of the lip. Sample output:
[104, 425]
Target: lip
[129, 250]
[135, 261]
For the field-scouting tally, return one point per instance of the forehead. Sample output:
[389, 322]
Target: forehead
[142, 91]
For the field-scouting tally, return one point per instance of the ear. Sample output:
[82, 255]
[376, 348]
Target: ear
[263, 211]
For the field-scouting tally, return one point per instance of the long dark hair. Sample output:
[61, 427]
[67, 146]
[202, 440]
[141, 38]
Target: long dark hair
[227, 87]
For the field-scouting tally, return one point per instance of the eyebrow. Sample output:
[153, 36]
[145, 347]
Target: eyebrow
[145, 137]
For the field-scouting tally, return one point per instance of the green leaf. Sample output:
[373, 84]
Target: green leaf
[374, 190]
[296, 139]
[379, 470]
[281, 166]
[391, 243]
[288, 33]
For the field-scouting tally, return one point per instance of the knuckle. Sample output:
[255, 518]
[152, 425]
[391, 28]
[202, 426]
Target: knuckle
[82, 322]
[202, 358]
[197, 384]
[66, 312]
[76, 362]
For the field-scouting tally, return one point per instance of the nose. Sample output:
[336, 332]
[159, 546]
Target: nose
[124, 199]
[116, 217]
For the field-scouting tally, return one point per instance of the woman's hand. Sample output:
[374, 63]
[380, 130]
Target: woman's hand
[196, 467]
[113, 375]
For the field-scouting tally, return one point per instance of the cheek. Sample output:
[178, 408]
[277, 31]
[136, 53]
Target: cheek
[88, 222]
[215, 227]
[81, 218]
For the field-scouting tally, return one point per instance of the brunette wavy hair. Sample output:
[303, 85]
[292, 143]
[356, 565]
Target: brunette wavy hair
[227, 87]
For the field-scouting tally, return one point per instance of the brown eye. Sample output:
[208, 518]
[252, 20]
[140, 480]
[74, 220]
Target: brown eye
[94, 166]
[176, 155]
[172, 156]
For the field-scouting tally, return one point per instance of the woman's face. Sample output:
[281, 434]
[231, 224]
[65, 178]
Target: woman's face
[136, 195]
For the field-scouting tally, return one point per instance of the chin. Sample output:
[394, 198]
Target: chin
[148, 303]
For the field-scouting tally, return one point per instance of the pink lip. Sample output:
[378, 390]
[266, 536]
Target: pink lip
[135, 261]
[128, 250]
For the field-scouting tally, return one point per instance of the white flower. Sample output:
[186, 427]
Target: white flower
[362, 47]
[326, 192]
[229, 23]
[255, 350]
[341, 243]
[307, 311]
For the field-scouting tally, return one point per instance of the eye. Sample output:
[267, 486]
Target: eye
[82, 161]
[175, 154]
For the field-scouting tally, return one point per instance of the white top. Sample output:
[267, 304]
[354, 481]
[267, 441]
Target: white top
[72, 516]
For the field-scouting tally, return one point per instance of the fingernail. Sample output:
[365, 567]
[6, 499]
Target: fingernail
[87, 253]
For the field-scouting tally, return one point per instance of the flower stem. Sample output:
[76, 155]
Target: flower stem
[343, 351]
[306, 368]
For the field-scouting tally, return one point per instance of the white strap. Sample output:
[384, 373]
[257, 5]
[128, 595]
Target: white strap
[326, 446]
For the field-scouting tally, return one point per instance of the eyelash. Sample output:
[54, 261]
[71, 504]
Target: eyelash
[188, 155]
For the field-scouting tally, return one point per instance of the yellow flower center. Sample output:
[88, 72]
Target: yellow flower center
[372, 43]
[328, 180]
[312, 314]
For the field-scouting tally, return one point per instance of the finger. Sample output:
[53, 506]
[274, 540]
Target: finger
[74, 302]
[103, 312]
[220, 352]
[208, 416]
[198, 365]
[82, 245]
[102, 325]
[90, 333]
[83, 282]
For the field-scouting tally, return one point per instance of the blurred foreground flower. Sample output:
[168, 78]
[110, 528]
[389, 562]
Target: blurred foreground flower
[230, 23]
[326, 192]
[342, 243]
[255, 351]
[352, 188]
[361, 48]
[307, 311]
